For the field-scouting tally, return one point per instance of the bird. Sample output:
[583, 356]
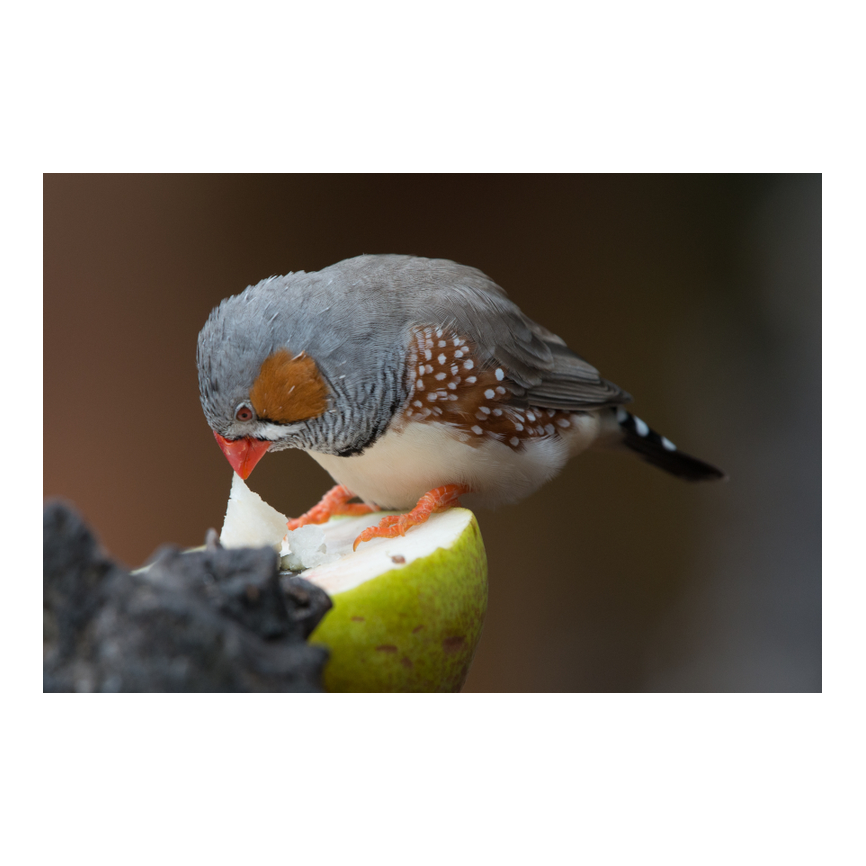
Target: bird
[416, 383]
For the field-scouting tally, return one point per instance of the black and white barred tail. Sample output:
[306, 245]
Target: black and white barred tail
[660, 451]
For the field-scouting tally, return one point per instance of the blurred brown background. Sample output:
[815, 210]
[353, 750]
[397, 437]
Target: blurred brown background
[700, 295]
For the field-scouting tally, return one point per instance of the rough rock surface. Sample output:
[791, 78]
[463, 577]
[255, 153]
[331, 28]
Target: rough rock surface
[209, 621]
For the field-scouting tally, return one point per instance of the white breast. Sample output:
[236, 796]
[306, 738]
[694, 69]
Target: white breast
[404, 465]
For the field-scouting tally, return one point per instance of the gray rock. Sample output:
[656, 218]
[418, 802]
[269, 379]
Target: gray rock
[204, 621]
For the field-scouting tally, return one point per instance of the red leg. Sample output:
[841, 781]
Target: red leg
[335, 501]
[440, 499]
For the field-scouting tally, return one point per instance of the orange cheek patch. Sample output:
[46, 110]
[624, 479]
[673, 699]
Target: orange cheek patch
[289, 389]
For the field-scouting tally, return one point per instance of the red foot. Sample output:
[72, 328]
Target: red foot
[440, 499]
[335, 501]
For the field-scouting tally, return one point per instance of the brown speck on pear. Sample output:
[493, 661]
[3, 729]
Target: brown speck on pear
[452, 645]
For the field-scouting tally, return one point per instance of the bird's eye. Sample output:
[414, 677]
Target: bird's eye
[244, 413]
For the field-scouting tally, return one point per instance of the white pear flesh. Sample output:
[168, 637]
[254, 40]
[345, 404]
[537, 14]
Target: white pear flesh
[249, 520]
[379, 555]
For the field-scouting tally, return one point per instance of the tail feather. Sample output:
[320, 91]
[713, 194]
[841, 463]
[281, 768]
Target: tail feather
[661, 452]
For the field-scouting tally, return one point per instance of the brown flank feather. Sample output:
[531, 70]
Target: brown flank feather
[289, 389]
[449, 384]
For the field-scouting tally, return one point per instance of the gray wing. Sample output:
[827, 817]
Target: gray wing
[544, 371]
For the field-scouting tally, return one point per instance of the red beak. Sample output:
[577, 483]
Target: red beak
[243, 454]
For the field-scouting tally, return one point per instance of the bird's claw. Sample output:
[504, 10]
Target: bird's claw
[392, 525]
[335, 501]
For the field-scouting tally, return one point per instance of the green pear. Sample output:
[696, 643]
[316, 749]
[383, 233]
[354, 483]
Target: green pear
[407, 612]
